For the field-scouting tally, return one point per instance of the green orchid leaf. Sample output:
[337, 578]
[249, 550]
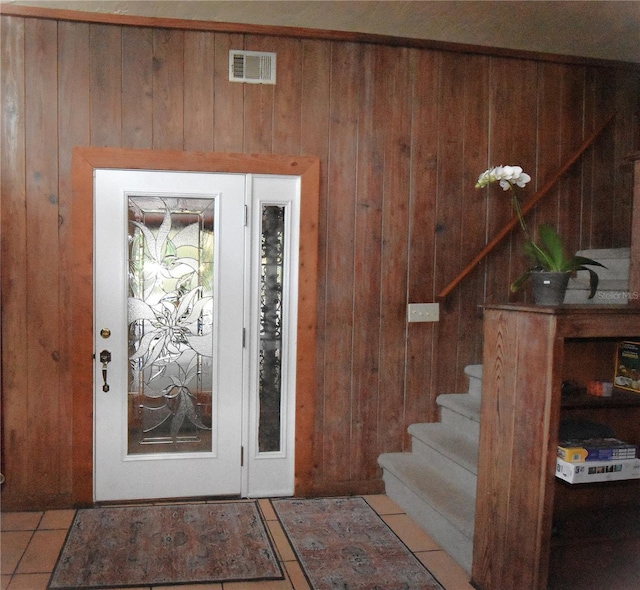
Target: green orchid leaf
[519, 281]
[553, 246]
[593, 280]
[582, 261]
[539, 256]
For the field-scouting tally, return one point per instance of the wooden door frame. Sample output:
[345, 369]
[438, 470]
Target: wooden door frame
[79, 276]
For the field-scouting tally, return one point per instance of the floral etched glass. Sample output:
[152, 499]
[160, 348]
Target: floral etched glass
[171, 324]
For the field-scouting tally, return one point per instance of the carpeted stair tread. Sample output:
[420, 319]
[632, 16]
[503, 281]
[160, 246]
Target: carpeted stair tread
[456, 506]
[604, 255]
[613, 286]
[447, 442]
[462, 403]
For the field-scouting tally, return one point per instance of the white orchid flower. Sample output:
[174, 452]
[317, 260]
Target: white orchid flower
[507, 176]
[522, 180]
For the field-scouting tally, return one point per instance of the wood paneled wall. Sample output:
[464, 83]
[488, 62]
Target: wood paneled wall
[402, 134]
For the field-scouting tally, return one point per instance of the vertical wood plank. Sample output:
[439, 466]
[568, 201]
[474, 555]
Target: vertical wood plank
[422, 337]
[499, 378]
[74, 116]
[522, 150]
[527, 452]
[392, 420]
[41, 372]
[627, 141]
[199, 72]
[228, 98]
[450, 195]
[603, 230]
[314, 116]
[287, 96]
[549, 142]
[572, 132]
[137, 88]
[80, 276]
[258, 103]
[338, 353]
[498, 206]
[473, 211]
[106, 85]
[588, 161]
[512, 139]
[366, 364]
[14, 279]
[168, 89]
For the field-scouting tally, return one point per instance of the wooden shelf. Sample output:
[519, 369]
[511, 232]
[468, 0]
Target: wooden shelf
[619, 398]
[530, 525]
[597, 526]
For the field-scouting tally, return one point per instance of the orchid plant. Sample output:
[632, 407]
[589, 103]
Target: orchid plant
[508, 177]
[548, 254]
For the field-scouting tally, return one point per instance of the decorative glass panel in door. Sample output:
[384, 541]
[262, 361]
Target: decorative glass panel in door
[170, 318]
[271, 294]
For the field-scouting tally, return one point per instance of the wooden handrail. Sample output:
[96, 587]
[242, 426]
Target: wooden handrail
[530, 204]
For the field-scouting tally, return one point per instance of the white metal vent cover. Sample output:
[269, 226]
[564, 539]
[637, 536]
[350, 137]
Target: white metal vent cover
[254, 67]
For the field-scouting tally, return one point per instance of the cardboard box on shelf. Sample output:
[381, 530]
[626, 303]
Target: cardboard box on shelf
[595, 471]
[627, 373]
[596, 449]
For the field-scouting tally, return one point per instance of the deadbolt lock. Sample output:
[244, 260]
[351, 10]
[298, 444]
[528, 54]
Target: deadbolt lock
[105, 332]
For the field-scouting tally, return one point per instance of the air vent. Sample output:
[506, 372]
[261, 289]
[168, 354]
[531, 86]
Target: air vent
[254, 67]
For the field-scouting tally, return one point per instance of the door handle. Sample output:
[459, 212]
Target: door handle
[105, 358]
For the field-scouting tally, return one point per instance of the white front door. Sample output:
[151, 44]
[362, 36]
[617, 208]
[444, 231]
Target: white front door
[169, 310]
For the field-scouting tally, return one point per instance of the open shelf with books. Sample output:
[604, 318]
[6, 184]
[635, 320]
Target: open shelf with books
[530, 525]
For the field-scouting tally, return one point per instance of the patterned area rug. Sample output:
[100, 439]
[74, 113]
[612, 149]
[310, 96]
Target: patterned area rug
[149, 545]
[343, 544]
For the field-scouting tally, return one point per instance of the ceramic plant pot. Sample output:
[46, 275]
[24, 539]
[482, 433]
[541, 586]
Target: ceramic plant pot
[549, 288]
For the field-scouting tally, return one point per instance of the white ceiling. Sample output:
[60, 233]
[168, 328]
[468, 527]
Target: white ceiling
[592, 28]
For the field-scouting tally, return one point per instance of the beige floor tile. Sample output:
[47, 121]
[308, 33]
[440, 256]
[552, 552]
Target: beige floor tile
[20, 521]
[280, 539]
[190, 587]
[57, 519]
[42, 552]
[382, 504]
[267, 509]
[29, 582]
[298, 581]
[446, 570]
[410, 533]
[4, 581]
[14, 544]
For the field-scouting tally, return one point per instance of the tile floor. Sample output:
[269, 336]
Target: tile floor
[31, 542]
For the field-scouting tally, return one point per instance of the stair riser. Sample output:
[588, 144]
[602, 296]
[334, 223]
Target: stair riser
[461, 424]
[475, 387]
[456, 474]
[455, 543]
[474, 375]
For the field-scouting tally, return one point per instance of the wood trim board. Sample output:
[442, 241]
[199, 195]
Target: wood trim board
[80, 275]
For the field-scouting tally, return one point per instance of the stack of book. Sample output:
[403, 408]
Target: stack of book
[597, 459]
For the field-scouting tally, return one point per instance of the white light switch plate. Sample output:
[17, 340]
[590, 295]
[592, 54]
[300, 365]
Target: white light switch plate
[423, 312]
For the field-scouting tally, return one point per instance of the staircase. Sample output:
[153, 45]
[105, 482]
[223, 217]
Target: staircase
[436, 482]
[613, 287]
